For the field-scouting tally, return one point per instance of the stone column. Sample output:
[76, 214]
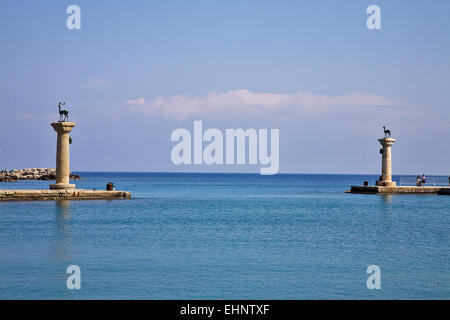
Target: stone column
[386, 165]
[62, 155]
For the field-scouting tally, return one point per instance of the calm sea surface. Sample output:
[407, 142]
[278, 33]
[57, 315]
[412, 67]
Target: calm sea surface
[226, 236]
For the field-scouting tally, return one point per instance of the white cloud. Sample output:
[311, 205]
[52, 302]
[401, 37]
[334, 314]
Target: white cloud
[139, 101]
[243, 100]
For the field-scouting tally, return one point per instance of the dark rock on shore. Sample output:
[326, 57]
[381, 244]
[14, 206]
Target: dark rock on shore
[32, 174]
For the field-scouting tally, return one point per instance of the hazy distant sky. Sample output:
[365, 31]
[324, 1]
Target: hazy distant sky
[137, 70]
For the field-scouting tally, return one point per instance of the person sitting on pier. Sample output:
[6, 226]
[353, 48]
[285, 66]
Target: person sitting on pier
[110, 186]
[418, 181]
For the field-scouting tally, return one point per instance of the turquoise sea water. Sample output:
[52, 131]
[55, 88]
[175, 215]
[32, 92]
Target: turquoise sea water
[226, 236]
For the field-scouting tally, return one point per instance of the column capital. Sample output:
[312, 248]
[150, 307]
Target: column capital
[386, 142]
[63, 127]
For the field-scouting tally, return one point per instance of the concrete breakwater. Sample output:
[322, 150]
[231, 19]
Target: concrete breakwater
[400, 190]
[78, 194]
[32, 174]
[62, 189]
[385, 184]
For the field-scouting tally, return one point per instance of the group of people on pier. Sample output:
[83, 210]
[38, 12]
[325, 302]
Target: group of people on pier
[421, 180]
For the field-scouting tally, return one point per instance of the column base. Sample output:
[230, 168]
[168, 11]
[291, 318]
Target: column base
[386, 183]
[62, 186]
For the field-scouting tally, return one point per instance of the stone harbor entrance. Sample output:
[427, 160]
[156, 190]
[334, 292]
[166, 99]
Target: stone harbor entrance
[385, 183]
[62, 189]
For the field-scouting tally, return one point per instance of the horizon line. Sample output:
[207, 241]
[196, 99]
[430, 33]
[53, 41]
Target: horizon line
[253, 173]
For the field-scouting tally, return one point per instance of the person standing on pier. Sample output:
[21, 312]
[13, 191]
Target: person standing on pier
[424, 179]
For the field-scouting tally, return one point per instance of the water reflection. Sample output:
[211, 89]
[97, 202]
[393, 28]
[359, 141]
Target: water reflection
[387, 200]
[63, 235]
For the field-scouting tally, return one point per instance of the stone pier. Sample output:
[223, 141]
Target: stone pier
[385, 185]
[62, 189]
[400, 190]
[68, 194]
[63, 130]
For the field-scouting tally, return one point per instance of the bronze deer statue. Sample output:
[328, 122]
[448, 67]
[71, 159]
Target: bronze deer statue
[63, 113]
[387, 133]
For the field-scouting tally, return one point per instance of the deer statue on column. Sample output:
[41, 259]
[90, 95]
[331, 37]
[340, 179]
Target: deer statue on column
[63, 113]
[387, 133]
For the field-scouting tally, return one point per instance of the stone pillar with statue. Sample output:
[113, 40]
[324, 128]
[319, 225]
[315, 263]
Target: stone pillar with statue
[386, 160]
[62, 190]
[63, 128]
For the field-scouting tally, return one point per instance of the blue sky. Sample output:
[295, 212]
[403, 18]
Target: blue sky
[137, 70]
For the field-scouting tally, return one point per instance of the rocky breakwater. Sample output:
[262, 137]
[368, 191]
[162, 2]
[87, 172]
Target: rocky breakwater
[32, 174]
